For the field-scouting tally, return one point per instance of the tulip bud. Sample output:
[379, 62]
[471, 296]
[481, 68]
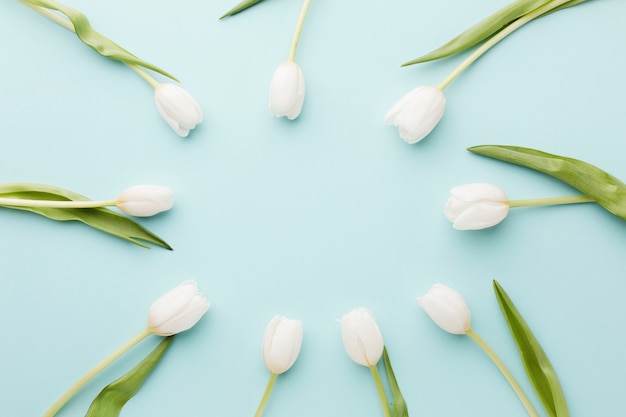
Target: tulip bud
[417, 113]
[476, 206]
[145, 200]
[177, 107]
[447, 308]
[178, 310]
[287, 91]
[361, 337]
[281, 344]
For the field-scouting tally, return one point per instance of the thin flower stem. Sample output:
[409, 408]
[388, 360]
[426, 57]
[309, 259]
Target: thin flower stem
[507, 374]
[381, 390]
[550, 201]
[69, 26]
[266, 394]
[94, 371]
[21, 202]
[298, 31]
[498, 37]
[144, 74]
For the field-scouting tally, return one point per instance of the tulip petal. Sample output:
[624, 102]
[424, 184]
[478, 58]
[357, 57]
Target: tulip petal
[281, 343]
[417, 113]
[361, 337]
[287, 91]
[447, 308]
[177, 310]
[178, 108]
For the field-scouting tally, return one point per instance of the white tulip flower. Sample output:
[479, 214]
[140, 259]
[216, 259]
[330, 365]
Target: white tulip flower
[177, 310]
[417, 113]
[281, 344]
[447, 308]
[177, 107]
[145, 200]
[361, 337]
[476, 206]
[287, 91]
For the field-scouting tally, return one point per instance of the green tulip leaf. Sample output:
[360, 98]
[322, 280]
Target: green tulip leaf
[536, 363]
[602, 187]
[487, 28]
[241, 7]
[398, 404]
[97, 41]
[99, 218]
[114, 396]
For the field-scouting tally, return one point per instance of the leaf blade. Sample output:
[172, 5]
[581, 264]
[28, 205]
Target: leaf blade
[605, 189]
[398, 404]
[94, 39]
[486, 28]
[110, 401]
[101, 218]
[245, 4]
[538, 367]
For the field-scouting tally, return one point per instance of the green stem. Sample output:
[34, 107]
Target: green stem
[381, 390]
[69, 26]
[21, 202]
[144, 74]
[498, 37]
[507, 374]
[266, 394]
[298, 31]
[94, 371]
[550, 201]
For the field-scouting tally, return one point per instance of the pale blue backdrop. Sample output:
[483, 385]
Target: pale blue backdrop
[314, 217]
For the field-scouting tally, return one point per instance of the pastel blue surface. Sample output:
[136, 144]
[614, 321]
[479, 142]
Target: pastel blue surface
[314, 217]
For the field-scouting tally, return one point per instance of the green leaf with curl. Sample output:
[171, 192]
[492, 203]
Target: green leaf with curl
[487, 28]
[113, 397]
[79, 24]
[99, 218]
[540, 371]
[398, 405]
[602, 187]
[245, 4]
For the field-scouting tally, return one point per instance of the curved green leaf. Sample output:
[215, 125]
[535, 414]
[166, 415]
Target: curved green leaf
[241, 7]
[101, 218]
[602, 187]
[398, 405]
[540, 371]
[97, 41]
[486, 28]
[114, 396]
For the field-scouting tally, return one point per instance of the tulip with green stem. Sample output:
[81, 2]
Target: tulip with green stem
[478, 205]
[287, 88]
[282, 342]
[64, 205]
[419, 111]
[176, 311]
[363, 342]
[140, 201]
[175, 105]
[448, 309]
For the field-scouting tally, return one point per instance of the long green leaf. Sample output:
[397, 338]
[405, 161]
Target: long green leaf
[398, 405]
[486, 28]
[241, 7]
[540, 371]
[602, 187]
[102, 218]
[100, 43]
[114, 396]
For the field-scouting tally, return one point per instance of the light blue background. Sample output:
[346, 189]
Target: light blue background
[314, 217]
